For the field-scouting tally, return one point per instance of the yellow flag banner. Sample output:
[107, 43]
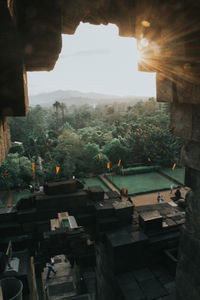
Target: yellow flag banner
[174, 166]
[33, 167]
[119, 163]
[33, 170]
[108, 165]
[99, 157]
[57, 170]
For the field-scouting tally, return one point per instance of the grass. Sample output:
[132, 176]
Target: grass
[95, 181]
[19, 195]
[141, 183]
[178, 174]
[140, 170]
[3, 198]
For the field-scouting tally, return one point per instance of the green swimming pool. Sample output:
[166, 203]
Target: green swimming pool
[178, 174]
[95, 181]
[141, 183]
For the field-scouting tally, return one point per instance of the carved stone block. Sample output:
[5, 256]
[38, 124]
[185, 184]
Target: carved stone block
[190, 156]
[181, 120]
[188, 91]
[4, 139]
[13, 85]
[164, 88]
[39, 23]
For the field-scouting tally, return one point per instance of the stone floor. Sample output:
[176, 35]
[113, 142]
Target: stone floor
[151, 198]
[153, 283]
[60, 285]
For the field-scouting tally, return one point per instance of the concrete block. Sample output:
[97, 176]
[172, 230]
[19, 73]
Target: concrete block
[61, 187]
[150, 220]
[96, 193]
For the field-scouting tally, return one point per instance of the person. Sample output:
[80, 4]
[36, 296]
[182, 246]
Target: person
[50, 268]
[178, 194]
[158, 198]
[171, 188]
[129, 199]
[31, 188]
[161, 199]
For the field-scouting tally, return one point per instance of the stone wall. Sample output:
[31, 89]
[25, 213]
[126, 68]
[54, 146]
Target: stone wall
[4, 139]
[30, 40]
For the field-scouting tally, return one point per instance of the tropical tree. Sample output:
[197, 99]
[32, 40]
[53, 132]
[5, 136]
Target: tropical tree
[56, 105]
[16, 170]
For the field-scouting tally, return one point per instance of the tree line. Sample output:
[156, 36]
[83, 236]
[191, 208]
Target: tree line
[74, 137]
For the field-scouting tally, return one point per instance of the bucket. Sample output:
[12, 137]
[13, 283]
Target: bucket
[11, 288]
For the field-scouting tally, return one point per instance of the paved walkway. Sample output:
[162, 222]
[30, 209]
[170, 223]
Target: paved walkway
[109, 184]
[61, 285]
[151, 198]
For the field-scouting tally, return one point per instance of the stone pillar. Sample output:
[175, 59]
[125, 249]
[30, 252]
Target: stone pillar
[13, 85]
[185, 122]
[187, 274]
[4, 139]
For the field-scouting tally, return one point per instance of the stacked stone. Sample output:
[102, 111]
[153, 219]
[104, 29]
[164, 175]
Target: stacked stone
[112, 214]
[89, 278]
[121, 271]
[138, 261]
[4, 139]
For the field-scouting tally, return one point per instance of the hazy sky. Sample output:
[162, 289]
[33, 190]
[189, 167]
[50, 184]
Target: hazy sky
[95, 59]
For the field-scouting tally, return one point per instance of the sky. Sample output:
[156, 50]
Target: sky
[95, 59]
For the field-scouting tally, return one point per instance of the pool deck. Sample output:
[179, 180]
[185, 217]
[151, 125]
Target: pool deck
[151, 198]
[147, 198]
[109, 184]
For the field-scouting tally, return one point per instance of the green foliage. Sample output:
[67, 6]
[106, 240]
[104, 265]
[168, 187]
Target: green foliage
[140, 170]
[90, 150]
[72, 138]
[16, 148]
[115, 151]
[100, 166]
[18, 171]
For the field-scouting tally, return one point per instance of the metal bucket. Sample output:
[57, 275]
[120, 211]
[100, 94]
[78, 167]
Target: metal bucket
[11, 288]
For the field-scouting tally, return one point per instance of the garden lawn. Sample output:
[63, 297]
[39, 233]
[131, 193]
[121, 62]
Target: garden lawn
[141, 183]
[3, 198]
[95, 181]
[19, 195]
[178, 174]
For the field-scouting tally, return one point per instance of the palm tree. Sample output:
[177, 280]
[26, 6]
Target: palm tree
[57, 106]
[63, 108]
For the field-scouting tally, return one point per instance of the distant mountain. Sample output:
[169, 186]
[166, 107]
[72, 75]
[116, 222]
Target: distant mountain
[78, 98]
